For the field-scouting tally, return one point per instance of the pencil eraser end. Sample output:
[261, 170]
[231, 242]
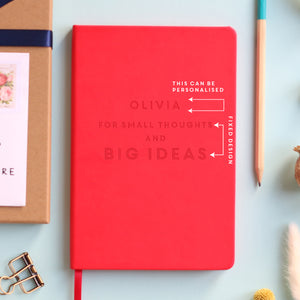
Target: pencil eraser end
[262, 9]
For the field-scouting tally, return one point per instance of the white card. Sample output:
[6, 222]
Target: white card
[14, 89]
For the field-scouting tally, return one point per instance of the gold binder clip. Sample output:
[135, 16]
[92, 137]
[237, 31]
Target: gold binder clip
[28, 269]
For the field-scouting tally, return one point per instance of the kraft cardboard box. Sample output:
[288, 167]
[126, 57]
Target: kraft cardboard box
[33, 15]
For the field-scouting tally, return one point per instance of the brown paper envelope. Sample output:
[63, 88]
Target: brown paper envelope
[33, 14]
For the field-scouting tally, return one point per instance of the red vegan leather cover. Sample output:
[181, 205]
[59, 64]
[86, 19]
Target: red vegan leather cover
[153, 148]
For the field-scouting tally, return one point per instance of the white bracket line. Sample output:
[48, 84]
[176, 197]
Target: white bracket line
[205, 110]
[218, 125]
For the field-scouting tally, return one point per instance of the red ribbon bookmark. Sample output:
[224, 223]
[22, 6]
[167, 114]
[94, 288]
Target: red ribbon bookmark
[77, 284]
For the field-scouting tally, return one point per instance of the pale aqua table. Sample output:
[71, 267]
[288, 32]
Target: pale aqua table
[262, 214]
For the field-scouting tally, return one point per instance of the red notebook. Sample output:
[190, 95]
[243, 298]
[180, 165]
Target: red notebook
[153, 148]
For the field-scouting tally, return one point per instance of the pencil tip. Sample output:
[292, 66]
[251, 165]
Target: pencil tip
[259, 184]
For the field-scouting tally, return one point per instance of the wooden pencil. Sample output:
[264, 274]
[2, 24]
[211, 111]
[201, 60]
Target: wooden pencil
[260, 90]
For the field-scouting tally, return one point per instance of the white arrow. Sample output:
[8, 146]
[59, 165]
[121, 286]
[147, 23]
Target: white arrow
[218, 125]
[194, 99]
[206, 110]
[195, 110]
